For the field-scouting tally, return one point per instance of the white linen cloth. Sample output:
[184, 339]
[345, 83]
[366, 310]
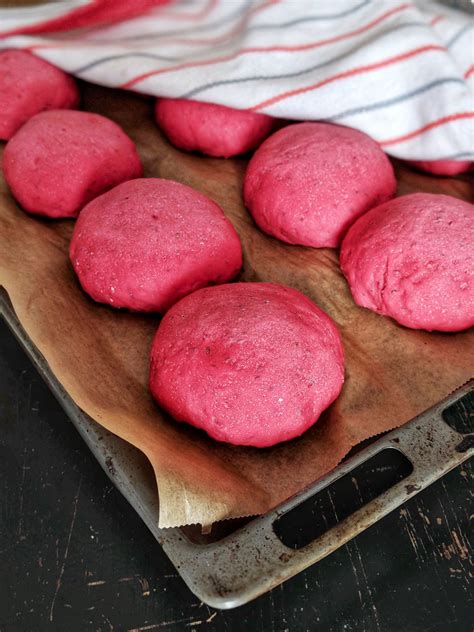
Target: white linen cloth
[402, 72]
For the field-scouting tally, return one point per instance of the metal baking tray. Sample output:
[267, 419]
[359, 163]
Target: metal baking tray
[238, 562]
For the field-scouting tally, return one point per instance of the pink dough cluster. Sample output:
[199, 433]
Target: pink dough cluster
[412, 258]
[443, 167]
[308, 182]
[149, 242]
[29, 85]
[250, 363]
[211, 129]
[61, 159]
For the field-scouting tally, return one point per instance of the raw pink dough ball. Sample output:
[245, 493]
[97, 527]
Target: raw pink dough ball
[308, 182]
[149, 242]
[412, 259]
[250, 363]
[62, 159]
[442, 167]
[214, 130]
[29, 85]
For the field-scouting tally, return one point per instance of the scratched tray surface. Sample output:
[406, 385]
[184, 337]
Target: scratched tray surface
[241, 559]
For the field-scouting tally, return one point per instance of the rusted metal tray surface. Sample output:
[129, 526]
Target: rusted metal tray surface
[237, 562]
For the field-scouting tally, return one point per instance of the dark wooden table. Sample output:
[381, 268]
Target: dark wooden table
[74, 556]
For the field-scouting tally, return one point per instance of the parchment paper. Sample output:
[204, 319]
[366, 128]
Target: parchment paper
[101, 355]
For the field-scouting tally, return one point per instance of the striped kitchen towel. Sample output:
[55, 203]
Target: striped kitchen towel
[403, 72]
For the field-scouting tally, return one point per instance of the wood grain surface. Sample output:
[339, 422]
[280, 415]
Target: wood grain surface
[75, 557]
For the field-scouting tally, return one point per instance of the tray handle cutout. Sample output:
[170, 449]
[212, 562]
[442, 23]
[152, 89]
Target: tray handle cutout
[336, 502]
[258, 556]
